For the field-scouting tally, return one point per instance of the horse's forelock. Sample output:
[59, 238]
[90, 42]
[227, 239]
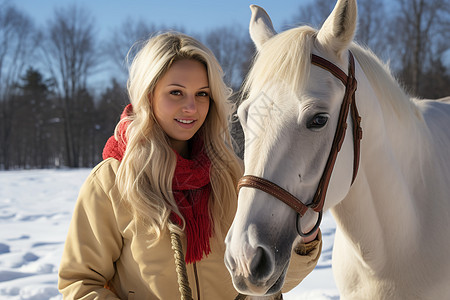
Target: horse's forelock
[284, 59]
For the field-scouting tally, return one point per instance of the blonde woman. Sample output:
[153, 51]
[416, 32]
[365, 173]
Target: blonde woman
[169, 168]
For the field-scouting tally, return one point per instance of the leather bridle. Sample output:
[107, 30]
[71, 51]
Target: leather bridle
[348, 104]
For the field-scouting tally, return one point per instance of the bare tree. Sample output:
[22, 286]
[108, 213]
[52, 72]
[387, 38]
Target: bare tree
[72, 55]
[18, 39]
[423, 35]
[125, 40]
[373, 25]
[313, 13]
[233, 49]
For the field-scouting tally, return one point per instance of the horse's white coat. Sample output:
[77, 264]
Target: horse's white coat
[393, 224]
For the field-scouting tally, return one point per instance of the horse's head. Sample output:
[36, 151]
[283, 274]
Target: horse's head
[289, 120]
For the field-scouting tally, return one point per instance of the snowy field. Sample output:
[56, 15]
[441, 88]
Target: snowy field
[35, 211]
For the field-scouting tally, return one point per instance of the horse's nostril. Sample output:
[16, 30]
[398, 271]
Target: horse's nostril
[260, 264]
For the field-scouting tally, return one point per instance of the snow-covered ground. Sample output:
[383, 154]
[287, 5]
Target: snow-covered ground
[35, 211]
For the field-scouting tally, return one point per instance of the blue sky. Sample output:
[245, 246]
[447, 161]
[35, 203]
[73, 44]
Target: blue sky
[196, 16]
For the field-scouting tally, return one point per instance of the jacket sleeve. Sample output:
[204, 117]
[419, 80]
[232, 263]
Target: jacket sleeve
[93, 244]
[304, 259]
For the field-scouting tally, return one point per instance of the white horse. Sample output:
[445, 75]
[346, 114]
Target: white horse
[393, 222]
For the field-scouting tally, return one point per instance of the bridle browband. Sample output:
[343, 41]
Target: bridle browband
[348, 104]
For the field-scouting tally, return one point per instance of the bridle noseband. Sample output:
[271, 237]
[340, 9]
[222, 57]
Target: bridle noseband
[348, 104]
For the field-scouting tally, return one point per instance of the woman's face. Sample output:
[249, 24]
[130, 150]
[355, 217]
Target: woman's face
[181, 101]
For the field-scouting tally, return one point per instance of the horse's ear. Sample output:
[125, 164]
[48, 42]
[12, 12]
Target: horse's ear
[339, 28]
[261, 28]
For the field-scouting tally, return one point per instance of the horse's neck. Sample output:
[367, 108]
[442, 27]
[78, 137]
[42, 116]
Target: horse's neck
[390, 187]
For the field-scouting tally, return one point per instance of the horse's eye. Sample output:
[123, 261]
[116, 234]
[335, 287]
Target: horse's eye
[318, 121]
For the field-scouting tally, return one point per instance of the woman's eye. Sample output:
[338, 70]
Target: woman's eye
[318, 121]
[175, 93]
[203, 94]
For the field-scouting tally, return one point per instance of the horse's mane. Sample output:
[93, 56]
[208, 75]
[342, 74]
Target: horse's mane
[401, 114]
[278, 62]
[387, 89]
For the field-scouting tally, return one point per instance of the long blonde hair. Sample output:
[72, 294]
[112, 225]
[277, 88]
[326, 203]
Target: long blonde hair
[147, 168]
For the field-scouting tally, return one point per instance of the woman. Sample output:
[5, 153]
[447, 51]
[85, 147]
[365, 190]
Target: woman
[170, 168]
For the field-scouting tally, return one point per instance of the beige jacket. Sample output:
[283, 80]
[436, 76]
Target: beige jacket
[106, 247]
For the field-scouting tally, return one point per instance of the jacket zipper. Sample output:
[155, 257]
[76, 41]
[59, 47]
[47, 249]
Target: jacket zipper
[197, 284]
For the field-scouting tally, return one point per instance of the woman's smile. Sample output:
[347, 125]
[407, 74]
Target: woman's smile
[186, 123]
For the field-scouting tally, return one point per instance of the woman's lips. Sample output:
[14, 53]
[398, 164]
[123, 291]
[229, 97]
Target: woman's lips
[186, 123]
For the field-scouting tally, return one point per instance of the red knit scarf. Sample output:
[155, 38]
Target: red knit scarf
[191, 189]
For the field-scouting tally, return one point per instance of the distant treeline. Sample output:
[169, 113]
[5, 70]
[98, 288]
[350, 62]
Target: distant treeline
[54, 113]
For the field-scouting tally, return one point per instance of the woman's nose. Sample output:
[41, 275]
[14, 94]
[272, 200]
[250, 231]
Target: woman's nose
[189, 104]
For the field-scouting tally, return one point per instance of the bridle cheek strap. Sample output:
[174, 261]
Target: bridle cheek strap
[348, 104]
